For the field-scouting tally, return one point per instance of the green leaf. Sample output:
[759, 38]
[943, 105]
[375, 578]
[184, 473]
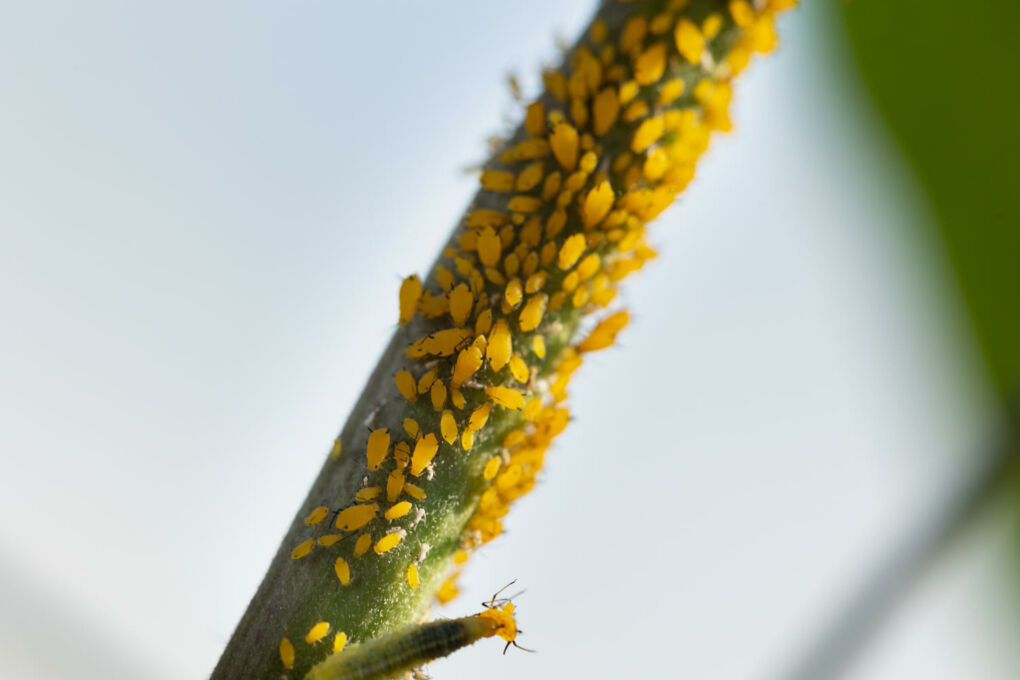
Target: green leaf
[946, 77]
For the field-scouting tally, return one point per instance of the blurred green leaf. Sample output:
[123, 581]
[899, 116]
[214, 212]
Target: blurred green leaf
[946, 77]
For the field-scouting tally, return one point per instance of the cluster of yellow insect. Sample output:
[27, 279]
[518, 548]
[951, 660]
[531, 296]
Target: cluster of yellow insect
[558, 223]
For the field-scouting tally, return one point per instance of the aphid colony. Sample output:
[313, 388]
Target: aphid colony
[558, 223]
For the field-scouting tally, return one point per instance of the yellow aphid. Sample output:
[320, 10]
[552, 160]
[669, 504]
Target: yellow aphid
[512, 439]
[671, 91]
[628, 91]
[489, 246]
[761, 35]
[689, 41]
[329, 539]
[711, 26]
[532, 408]
[647, 134]
[448, 426]
[402, 454]
[411, 427]
[556, 301]
[650, 64]
[316, 515]
[356, 516]
[367, 494]
[526, 150]
[604, 334]
[551, 185]
[386, 543]
[570, 281]
[491, 468]
[524, 204]
[410, 291]
[378, 447]
[302, 549]
[607, 55]
[406, 385]
[563, 141]
[467, 439]
[438, 395]
[433, 306]
[571, 250]
[445, 277]
[486, 217]
[412, 576]
[597, 205]
[414, 491]
[589, 266]
[518, 369]
[534, 119]
[460, 557]
[468, 362]
[500, 346]
[334, 454]
[502, 620]
[497, 180]
[480, 343]
[343, 571]
[506, 397]
[461, 301]
[633, 33]
[603, 291]
[483, 322]
[511, 264]
[448, 591]
[530, 176]
[554, 225]
[656, 164]
[397, 510]
[339, 642]
[743, 15]
[426, 380]
[637, 110]
[538, 346]
[362, 545]
[495, 276]
[287, 653]
[513, 293]
[533, 311]
[535, 282]
[425, 450]
[479, 417]
[605, 109]
[660, 23]
[578, 112]
[394, 485]
[441, 343]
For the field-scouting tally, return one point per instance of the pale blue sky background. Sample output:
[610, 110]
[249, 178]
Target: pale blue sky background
[205, 212]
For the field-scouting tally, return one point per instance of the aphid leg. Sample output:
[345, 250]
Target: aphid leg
[514, 643]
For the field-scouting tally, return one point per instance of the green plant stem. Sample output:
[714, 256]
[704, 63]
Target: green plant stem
[303, 591]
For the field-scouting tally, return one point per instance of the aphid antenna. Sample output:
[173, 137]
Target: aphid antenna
[492, 603]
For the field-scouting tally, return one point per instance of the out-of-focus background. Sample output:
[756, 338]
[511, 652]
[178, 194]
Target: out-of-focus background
[205, 212]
